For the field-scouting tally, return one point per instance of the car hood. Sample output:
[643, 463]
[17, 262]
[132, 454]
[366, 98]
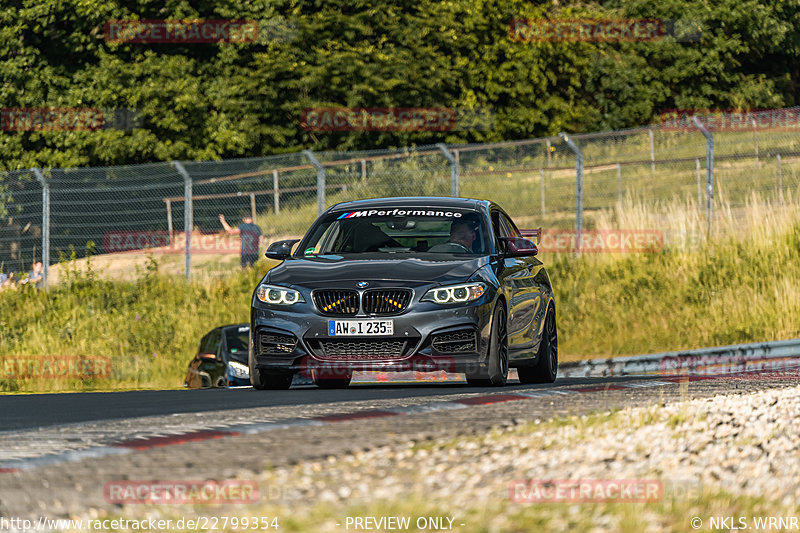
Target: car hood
[322, 270]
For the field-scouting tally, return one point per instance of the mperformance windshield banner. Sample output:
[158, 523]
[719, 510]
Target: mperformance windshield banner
[401, 212]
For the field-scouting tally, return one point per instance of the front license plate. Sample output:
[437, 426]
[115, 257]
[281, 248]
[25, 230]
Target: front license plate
[352, 328]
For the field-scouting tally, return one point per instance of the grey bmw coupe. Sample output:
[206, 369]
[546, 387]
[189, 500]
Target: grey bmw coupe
[396, 284]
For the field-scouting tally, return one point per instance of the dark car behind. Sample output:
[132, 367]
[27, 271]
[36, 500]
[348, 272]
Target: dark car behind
[221, 359]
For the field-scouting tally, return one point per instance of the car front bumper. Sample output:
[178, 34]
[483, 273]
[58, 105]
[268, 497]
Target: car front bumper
[452, 338]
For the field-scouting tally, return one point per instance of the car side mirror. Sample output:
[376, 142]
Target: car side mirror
[207, 356]
[517, 247]
[280, 250]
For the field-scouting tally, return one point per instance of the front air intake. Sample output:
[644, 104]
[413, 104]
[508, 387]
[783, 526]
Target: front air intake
[385, 302]
[336, 302]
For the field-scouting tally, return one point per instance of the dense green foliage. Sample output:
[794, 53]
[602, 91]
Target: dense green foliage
[211, 101]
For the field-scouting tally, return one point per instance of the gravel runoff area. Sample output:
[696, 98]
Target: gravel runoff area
[727, 457]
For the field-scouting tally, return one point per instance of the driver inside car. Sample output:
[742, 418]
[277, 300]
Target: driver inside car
[462, 235]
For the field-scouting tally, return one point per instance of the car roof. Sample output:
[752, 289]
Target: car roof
[412, 201]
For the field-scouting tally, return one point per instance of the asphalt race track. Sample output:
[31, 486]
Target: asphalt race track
[58, 450]
[31, 411]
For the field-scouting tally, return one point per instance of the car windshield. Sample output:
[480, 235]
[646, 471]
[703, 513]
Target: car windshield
[237, 339]
[396, 230]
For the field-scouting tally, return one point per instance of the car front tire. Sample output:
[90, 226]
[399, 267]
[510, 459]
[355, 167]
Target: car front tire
[263, 381]
[496, 374]
[333, 383]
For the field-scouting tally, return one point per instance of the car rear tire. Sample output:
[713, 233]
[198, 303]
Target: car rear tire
[496, 374]
[262, 381]
[546, 367]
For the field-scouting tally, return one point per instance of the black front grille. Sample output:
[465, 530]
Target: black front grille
[275, 343]
[336, 302]
[455, 342]
[361, 350]
[385, 301]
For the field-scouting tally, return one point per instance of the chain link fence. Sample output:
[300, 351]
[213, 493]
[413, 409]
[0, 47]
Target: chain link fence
[21, 200]
[125, 215]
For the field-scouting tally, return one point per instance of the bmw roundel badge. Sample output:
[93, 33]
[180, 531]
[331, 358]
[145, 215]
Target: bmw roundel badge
[362, 284]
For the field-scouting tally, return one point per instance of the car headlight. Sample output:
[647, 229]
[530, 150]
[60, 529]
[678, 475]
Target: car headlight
[238, 370]
[271, 294]
[455, 294]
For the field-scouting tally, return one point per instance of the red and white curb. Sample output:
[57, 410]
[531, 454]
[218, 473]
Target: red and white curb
[159, 441]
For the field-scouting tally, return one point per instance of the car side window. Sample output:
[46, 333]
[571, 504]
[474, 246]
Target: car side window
[212, 342]
[511, 228]
[203, 342]
[499, 228]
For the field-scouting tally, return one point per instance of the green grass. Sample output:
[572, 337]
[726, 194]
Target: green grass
[670, 515]
[149, 328]
[741, 286]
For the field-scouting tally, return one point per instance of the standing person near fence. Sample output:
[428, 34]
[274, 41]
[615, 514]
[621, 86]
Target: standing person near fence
[36, 276]
[250, 234]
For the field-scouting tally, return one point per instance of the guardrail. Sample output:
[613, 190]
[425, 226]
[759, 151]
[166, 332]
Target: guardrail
[731, 359]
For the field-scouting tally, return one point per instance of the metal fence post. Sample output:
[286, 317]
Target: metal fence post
[780, 179]
[619, 183]
[45, 226]
[320, 181]
[453, 168]
[652, 152]
[541, 175]
[709, 172]
[549, 152]
[188, 215]
[169, 218]
[276, 195]
[755, 140]
[699, 186]
[578, 188]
